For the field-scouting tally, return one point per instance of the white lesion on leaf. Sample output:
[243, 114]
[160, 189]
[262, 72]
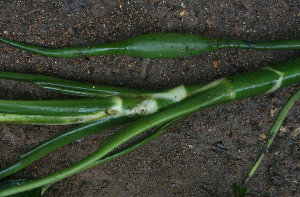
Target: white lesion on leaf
[117, 107]
[48, 120]
[279, 80]
[145, 107]
[176, 94]
[211, 85]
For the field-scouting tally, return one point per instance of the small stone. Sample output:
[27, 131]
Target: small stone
[70, 31]
[296, 132]
[182, 13]
[272, 112]
[215, 63]
[262, 136]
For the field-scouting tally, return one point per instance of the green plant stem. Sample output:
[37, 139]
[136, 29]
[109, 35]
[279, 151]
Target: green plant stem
[219, 92]
[155, 46]
[62, 139]
[72, 87]
[95, 91]
[116, 140]
[63, 112]
[87, 163]
[224, 90]
[272, 133]
[154, 134]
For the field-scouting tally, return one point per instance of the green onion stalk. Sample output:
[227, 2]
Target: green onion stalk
[103, 107]
[155, 46]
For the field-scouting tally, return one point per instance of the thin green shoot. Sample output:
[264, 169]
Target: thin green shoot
[87, 163]
[272, 133]
[62, 139]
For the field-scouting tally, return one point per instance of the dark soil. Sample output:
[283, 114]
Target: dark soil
[201, 156]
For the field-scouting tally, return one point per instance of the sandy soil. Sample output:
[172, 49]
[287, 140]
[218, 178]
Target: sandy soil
[201, 156]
